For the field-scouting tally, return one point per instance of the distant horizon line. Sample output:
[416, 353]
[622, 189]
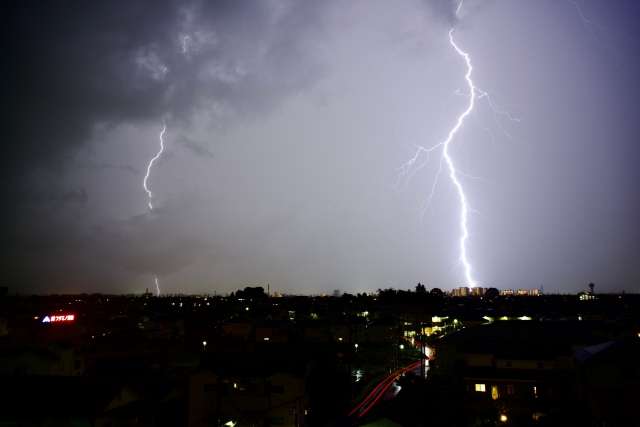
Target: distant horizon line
[318, 295]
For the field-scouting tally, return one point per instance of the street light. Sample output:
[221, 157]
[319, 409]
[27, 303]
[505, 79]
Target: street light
[204, 345]
[503, 418]
[356, 345]
[401, 346]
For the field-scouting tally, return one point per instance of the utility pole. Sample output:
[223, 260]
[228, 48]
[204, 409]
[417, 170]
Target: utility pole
[422, 367]
[350, 352]
[219, 387]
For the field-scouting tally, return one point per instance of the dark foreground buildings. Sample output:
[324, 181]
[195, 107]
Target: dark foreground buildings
[248, 359]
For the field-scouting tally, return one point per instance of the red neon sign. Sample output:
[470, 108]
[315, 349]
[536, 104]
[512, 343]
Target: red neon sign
[59, 318]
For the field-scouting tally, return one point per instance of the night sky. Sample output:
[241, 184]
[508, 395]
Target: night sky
[287, 127]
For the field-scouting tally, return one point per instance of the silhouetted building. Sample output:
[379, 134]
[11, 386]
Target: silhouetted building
[609, 380]
[251, 390]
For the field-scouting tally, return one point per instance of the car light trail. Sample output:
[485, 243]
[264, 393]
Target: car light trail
[388, 382]
[382, 383]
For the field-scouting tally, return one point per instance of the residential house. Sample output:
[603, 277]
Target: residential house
[164, 327]
[273, 331]
[70, 401]
[59, 358]
[37, 331]
[609, 380]
[382, 330]
[257, 390]
[514, 361]
[350, 329]
[314, 330]
[238, 328]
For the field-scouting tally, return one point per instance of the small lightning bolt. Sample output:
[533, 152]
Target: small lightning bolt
[144, 183]
[603, 31]
[184, 43]
[417, 162]
[164, 128]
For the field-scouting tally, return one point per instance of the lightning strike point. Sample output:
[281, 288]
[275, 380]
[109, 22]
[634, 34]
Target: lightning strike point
[157, 286]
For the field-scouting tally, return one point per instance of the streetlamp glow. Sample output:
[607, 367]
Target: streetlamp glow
[503, 418]
[401, 346]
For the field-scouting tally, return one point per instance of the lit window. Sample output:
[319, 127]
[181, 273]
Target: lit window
[480, 387]
[266, 338]
[535, 390]
[510, 389]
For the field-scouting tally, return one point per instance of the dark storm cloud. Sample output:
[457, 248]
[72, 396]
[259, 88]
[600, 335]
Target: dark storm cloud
[286, 123]
[193, 147]
[73, 70]
[71, 66]
[100, 166]
[443, 9]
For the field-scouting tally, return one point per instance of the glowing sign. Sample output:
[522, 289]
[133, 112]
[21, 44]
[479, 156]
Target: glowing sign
[60, 318]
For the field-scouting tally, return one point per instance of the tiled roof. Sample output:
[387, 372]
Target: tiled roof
[129, 365]
[256, 365]
[35, 397]
[621, 351]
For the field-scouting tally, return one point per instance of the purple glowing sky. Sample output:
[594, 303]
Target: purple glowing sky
[287, 126]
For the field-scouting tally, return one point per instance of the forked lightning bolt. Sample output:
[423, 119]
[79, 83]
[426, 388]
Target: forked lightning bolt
[144, 183]
[416, 163]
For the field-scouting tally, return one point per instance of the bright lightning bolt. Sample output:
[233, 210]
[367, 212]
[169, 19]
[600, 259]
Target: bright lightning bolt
[464, 202]
[446, 162]
[144, 183]
[157, 286]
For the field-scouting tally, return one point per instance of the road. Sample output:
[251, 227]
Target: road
[387, 388]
